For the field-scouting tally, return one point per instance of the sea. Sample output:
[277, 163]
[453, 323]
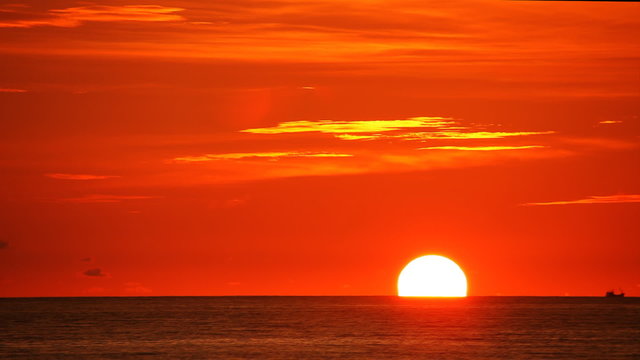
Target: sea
[290, 327]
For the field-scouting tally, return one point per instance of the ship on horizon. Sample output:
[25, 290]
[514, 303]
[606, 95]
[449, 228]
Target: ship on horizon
[612, 293]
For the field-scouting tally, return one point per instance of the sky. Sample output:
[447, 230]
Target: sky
[281, 147]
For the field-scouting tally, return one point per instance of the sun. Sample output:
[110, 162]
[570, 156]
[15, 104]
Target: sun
[432, 275]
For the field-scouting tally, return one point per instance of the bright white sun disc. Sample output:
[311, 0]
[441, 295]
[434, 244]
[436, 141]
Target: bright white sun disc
[432, 275]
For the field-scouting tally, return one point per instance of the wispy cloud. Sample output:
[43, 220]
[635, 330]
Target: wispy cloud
[268, 155]
[609, 122]
[607, 199]
[61, 176]
[465, 42]
[102, 198]
[430, 128]
[345, 127]
[387, 146]
[9, 90]
[358, 137]
[460, 134]
[600, 143]
[444, 135]
[482, 148]
[76, 16]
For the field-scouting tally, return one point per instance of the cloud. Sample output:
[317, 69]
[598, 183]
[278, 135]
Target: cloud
[475, 45]
[469, 135]
[607, 199]
[345, 127]
[297, 140]
[439, 128]
[61, 176]
[600, 143]
[458, 134]
[87, 259]
[76, 16]
[358, 137]
[96, 272]
[103, 198]
[608, 122]
[268, 155]
[482, 148]
[3, 245]
[5, 90]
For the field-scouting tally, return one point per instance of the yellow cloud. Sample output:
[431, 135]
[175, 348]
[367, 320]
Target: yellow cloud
[345, 127]
[607, 199]
[444, 135]
[358, 137]
[470, 135]
[438, 128]
[269, 155]
[372, 157]
[482, 148]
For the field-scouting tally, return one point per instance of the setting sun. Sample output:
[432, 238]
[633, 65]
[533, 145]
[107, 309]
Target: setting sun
[432, 275]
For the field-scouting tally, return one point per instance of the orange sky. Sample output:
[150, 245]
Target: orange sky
[314, 148]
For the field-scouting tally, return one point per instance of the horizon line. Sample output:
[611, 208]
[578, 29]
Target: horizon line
[211, 296]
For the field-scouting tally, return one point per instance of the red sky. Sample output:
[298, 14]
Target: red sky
[314, 148]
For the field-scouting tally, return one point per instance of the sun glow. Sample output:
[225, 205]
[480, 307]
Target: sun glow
[433, 276]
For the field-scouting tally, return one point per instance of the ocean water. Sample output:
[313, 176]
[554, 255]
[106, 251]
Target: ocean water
[320, 328]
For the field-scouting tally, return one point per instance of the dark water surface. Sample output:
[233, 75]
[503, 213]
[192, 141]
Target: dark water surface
[320, 328]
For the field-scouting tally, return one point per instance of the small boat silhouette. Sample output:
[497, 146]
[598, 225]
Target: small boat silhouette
[613, 294]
